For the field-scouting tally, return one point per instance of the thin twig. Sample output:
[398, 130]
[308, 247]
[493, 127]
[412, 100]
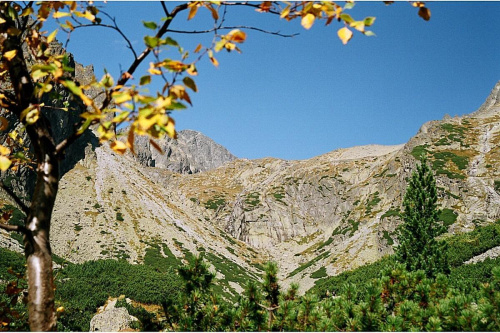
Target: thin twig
[129, 46]
[250, 4]
[14, 197]
[276, 33]
[165, 8]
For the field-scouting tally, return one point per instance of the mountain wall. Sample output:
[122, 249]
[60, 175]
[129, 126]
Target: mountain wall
[315, 217]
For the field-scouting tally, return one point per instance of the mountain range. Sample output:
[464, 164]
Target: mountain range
[315, 218]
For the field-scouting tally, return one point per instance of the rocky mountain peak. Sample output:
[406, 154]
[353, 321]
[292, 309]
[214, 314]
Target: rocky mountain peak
[192, 152]
[491, 105]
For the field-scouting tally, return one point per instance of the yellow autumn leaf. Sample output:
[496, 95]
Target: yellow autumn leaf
[4, 150]
[308, 21]
[344, 34]
[358, 25]
[9, 55]
[170, 128]
[192, 70]
[60, 309]
[4, 163]
[215, 14]
[285, 12]
[52, 36]
[154, 71]
[32, 116]
[214, 61]
[88, 15]
[121, 97]
[236, 36]
[57, 15]
[192, 12]
[145, 122]
[198, 48]
[119, 147]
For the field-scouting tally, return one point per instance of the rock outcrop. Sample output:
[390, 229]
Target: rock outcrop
[111, 320]
[191, 152]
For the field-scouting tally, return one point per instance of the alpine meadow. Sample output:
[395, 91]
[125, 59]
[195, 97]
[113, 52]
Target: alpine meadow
[114, 216]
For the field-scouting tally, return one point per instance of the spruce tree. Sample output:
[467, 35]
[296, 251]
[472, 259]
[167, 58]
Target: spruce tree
[418, 247]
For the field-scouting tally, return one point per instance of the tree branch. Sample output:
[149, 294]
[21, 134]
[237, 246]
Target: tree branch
[277, 33]
[113, 27]
[10, 227]
[165, 8]
[16, 199]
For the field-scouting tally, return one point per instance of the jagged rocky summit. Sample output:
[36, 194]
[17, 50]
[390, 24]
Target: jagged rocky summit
[192, 152]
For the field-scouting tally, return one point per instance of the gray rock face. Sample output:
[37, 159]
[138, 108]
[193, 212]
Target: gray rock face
[112, 320]
[62, 123]
[192, 152]
[493, 100]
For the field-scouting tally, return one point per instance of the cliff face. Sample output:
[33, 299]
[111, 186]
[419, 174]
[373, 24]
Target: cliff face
[192, 152]
[327, 214]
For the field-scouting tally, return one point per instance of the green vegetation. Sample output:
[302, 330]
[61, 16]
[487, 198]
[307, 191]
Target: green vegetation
[418, 248]
[397, 294]
[456, 132]
[388, 238]
[391, 212]
[155, 259]
[320, 273]
[119, 217]
[447, 216]
[279, 197]
[252, 199]
[397, 300]
[216, 202]
[310, 263]
[372, 202]
[82, 288]
[325, 243]
[463, 247]
[497, 186]
[440, 158]
[418, 151]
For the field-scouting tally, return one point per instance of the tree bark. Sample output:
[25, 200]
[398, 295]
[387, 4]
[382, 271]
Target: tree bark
[36, 235]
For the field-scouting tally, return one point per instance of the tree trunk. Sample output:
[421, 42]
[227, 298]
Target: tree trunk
[36, 238]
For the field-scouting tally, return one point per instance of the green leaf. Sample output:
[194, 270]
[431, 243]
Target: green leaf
[150, 25]
[369, 21]
[146, 79]
[189, 82]
[347, 18]
[176, 106]
[171, 42]
[20, 155]
[369, 33]
[151, 41]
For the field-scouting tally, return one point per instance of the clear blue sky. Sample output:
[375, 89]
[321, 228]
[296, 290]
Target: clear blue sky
[295, 98]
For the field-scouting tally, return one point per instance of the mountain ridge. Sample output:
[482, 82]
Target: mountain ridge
[314, 217]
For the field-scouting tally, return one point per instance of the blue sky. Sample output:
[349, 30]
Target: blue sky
[295, 98]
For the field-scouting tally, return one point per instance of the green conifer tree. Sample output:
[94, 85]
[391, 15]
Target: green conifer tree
[418, 247]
